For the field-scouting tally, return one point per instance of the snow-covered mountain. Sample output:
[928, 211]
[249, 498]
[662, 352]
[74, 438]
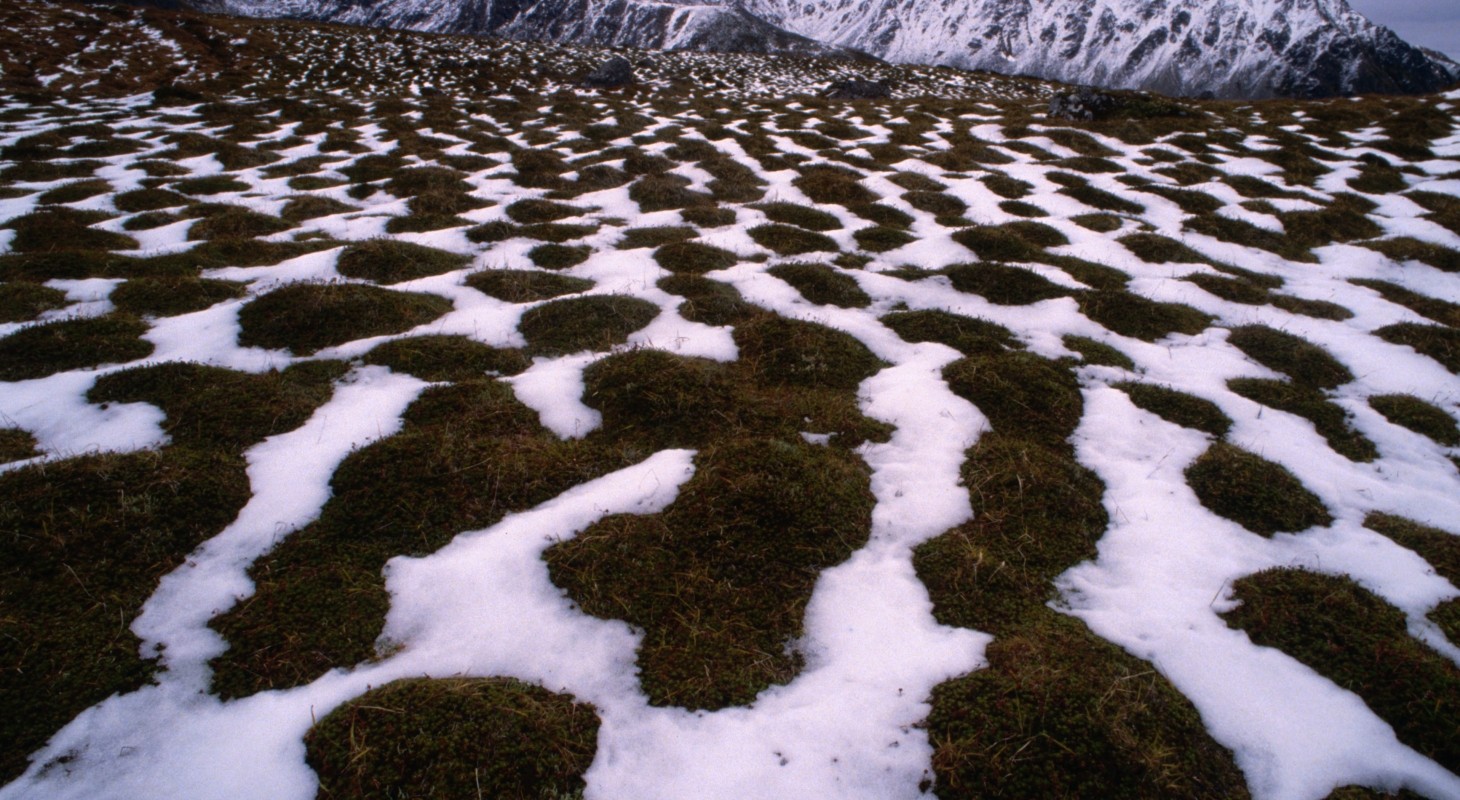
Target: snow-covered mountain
[1236, 48]
[1228, 48]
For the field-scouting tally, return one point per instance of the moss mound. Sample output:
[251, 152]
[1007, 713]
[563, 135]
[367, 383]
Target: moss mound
[447, 358]
[1257, 494]
[114, 525]
[1410, 412]
[967, 335]
[469, 454]
[1003, 284]
[823, 285]
[793, 353]
[709, 301]
[594, 323]
[165, 297]
[41, 350]
[1330, 420]
[1059, 713]
[306, 317]
[1358, 641]
[461, 737]
[1022, 395]
[1179, 408]
[391, 261]
[747, 537]
[1139, 318]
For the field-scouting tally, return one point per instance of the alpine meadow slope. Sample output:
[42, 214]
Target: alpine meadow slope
[389, 414]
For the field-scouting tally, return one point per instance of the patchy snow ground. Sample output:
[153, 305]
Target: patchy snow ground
[847, 725]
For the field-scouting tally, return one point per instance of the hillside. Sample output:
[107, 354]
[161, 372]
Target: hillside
[387, 414]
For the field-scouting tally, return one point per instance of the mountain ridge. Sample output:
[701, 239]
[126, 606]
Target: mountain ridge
[1234, 49]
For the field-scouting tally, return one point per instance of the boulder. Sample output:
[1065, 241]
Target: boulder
[1083, 104]
[857, 89]
[616, 71]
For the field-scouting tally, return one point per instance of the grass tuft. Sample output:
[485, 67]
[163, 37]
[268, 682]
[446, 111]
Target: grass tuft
[1257, 494]
[390, 261]
[170, 296]
[1436, 341]
[22, 302]
[708, 301]
[1179, 408]
[1410, 412]
[1306, 363]
[594, 323]
[1015, 241]
[58, 229]
[1022, 394]
[306, 317]
[823, 285]
[1330, 420]
[460, 737]
[71, 594]
[41, 350]
[1099, 353]
[801, 216]
[16, 444]
[525, 286]
[794, 353]
[1132, 315]
[212, 408]
[747, 536]
[1361, 643]
[447, 358]
[1003, 284]
[694, 258]
[559, 256]
[789, 240]
[967, 335]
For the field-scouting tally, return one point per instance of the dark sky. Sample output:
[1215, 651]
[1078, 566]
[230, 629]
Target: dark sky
[1428, 23]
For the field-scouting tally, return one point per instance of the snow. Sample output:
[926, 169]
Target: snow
[847, 725]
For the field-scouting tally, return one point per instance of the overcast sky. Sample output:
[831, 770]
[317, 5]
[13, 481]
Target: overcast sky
[1428, 23]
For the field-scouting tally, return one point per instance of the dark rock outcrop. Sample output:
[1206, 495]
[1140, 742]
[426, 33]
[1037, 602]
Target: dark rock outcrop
[615, 72]
[857, 89]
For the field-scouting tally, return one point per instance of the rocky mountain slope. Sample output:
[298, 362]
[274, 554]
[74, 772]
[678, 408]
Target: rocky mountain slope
[1233, 48]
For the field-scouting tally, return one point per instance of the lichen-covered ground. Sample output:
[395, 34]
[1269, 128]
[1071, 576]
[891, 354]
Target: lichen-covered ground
[386, 415]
